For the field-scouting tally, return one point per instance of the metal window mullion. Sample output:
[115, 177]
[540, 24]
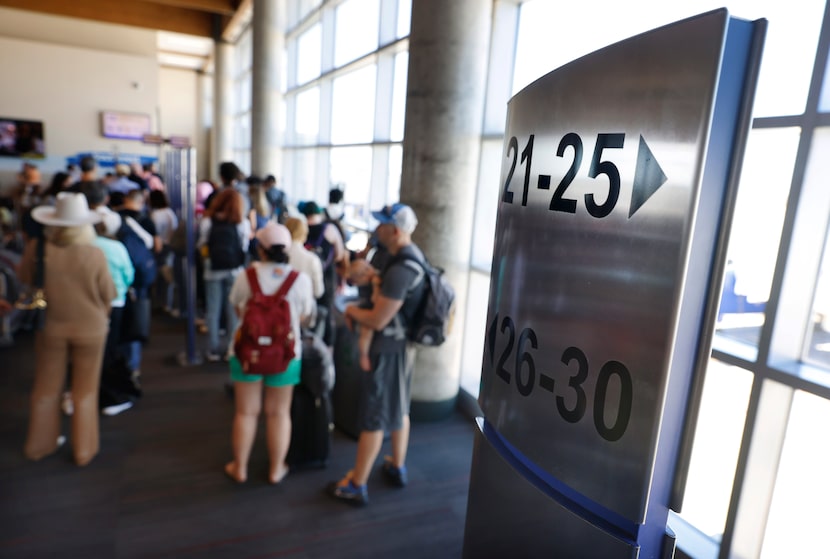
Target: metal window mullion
[384, 88]
[763, 442]
[326, 104]
[321, 184]
[327, 36]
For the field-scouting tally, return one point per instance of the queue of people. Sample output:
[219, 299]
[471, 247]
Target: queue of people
[244, 252]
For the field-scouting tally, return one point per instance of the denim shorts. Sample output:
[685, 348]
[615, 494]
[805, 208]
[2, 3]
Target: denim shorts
[289, 377]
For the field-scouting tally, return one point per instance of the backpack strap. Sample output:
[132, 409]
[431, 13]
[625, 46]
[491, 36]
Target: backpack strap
[250, 272]
[287, 283]
[252, 280]
[420, 267]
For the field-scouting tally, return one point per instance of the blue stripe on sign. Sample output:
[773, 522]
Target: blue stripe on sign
[595, 514]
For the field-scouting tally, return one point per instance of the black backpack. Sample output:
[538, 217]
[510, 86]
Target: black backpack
[224, 250]
[432, 320]
[322, 248]
[143, 259]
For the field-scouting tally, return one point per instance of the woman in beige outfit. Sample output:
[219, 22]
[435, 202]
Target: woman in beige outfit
[78, 289]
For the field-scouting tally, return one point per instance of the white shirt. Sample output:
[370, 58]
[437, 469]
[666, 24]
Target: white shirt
[166, 222]
[270, 277]
[306, 261]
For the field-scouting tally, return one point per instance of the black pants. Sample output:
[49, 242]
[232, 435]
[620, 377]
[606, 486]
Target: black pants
[117, 384]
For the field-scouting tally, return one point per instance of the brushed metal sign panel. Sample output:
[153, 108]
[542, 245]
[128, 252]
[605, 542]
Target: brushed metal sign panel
[508, 517]
[601, 172]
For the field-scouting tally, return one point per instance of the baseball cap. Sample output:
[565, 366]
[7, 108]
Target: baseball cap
[273, 234]
[309, 208]
[399, 215]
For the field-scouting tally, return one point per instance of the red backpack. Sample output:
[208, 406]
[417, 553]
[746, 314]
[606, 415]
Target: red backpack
[264, 343]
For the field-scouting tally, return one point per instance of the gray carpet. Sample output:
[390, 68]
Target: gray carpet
[157, 487]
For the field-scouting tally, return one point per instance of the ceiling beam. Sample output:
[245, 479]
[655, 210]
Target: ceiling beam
[149, 15]
[223, 7]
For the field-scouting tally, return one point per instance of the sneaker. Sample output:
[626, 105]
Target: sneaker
[346, 491]
[392, 474]
[115, 409]
[67, 405]
[213, 357]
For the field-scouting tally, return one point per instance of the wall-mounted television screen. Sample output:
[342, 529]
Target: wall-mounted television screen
[21, 138]
[124, 126]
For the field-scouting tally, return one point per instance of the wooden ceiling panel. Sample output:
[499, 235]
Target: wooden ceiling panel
[223, 7]
[192, 17]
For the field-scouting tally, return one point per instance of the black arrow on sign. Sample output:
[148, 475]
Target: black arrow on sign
[648, 178]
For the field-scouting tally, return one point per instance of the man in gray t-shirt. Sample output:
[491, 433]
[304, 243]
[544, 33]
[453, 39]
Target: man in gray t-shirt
[384, 403]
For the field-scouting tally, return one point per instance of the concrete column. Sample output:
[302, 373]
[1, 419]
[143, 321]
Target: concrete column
[266, 94]
[222, 139]
[448, 52]
[204, 159]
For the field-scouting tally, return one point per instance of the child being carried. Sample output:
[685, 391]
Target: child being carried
[366, 278]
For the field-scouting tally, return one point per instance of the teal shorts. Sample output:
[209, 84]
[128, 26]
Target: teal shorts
[290, 377]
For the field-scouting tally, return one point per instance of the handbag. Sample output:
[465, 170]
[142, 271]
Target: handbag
[135, 322]
[35, 303]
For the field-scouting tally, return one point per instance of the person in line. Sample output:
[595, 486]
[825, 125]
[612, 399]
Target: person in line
[303, 259]
[231, 176]
[28, 192]
[154, 180]
[117, 389]
[204, 192]
[166, 222]
[277, 389]
[79, 291]
[224, 259]
[276, 198]
[137, 177]
[60, 183]
[89, 169]
[122, 183]
[325, 240]
[134, 216]
[260, 212]
[385, 391]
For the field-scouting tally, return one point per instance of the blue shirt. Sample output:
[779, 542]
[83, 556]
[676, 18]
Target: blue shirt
[120, 265]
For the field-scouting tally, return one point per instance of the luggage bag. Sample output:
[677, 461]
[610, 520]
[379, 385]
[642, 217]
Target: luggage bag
[349, 375]
[311, 410]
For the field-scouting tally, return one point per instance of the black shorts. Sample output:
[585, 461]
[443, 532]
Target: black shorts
[385, 392]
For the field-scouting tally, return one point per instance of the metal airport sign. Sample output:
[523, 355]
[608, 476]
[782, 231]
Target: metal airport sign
[600, 183]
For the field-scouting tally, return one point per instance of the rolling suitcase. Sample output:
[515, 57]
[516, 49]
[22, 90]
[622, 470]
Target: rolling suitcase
[311, 412]
[349, 375]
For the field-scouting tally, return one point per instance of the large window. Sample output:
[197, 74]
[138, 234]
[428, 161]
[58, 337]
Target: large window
[241, 104]
[346, 92]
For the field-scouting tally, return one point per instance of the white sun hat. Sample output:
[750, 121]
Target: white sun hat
[70, 209]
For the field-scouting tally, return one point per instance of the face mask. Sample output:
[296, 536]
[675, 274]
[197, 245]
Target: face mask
[335, 211]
